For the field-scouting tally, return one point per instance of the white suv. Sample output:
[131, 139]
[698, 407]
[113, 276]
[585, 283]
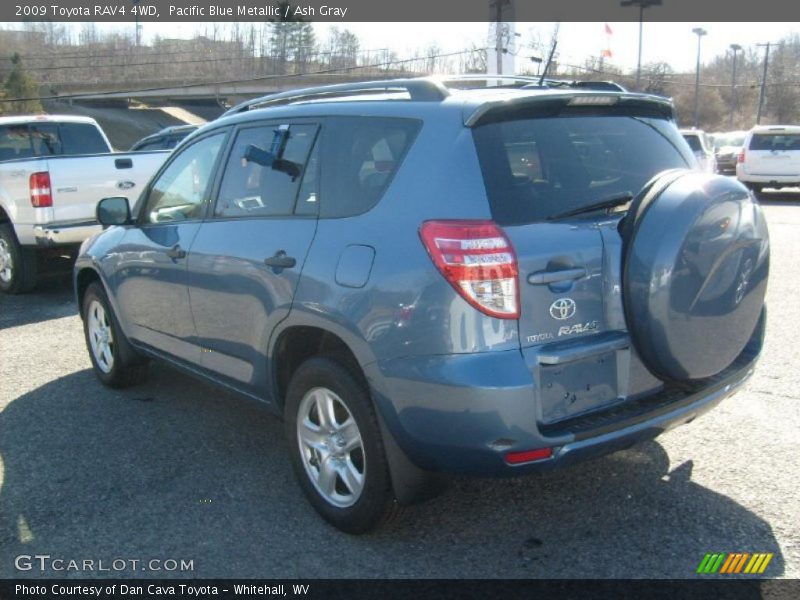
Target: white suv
[770, 157]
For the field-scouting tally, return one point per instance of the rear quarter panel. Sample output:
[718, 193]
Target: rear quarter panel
[406, 307]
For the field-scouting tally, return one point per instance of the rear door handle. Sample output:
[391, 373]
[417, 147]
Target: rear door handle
[176, 252]
[548, 277]
[280, 260]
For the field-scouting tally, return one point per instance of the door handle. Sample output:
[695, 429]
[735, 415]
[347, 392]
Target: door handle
[548, 277]
[176, 252]
[280, 260]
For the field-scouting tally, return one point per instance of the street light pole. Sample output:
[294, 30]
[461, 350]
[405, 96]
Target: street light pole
[642, 4]
[734, 104]
[700, 32]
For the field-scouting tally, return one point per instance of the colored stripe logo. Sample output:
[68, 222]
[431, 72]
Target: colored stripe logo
[734, 563]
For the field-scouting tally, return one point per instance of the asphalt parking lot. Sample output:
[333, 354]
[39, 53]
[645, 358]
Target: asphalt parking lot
[176, 469]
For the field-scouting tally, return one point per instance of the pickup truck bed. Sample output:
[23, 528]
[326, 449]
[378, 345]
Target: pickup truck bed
[77, 184]
[53, 172]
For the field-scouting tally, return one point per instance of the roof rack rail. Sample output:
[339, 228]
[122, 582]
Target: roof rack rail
[520, 79]
[420, 89]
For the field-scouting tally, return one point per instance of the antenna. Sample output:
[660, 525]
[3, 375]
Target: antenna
[549, 58]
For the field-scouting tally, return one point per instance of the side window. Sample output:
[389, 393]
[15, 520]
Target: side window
[265, 171]
[360, 157]
[82, 138]
[180, 191]
[45, 139]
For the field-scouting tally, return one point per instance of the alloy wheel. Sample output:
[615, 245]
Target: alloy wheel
[101, 337]
[331, 447]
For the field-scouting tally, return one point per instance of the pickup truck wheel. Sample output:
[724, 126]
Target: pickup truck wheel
[336, 447]
[115, 362]
[18, 264]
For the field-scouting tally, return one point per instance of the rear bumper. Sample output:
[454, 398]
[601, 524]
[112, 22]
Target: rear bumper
[726, 164]
[766, 180]
[65, 233]
[462, 414]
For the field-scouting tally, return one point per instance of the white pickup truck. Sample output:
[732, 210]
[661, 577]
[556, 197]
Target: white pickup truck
[53, 172]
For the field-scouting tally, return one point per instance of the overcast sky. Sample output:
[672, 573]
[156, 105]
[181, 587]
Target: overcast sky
[671, 42]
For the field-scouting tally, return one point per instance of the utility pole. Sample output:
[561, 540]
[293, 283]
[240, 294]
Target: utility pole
[734, 104]
[138, 32]
[642, 4]
[763, 84]
[699, 32]
[498, 6]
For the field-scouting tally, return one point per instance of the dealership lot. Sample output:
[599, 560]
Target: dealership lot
[176, 470]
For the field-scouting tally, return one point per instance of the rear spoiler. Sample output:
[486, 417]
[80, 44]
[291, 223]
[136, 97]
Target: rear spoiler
[475, 116]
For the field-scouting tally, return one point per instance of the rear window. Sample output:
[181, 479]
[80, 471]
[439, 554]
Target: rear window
[47, 138]
[360, 157]
[536, 168]
[775, 141]
[82, 138]
[15, 142]
[694, 143]
[721, 141]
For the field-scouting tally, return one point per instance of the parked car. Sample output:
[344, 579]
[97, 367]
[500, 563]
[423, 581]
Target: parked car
[770, 157]
[696, 139]
[422, 280]
[727, 146]
[166, 139]
[53, 171]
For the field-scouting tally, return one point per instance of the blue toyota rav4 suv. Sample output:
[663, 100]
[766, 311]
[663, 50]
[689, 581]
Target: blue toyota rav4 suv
[425, 280]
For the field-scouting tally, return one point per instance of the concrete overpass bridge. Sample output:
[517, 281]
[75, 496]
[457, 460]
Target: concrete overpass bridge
[159, 92]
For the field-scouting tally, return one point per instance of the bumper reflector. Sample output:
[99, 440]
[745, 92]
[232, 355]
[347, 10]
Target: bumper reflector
[517, 458]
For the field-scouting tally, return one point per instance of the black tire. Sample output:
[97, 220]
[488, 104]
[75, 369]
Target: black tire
[756, 188]
[127, 367]
[376, 503]
[24, 263]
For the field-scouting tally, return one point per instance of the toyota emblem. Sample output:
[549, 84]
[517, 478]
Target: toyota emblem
[562, 309]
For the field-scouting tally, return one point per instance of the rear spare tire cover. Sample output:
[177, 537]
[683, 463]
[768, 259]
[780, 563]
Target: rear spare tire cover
[695, 265]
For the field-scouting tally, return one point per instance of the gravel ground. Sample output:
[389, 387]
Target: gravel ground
[176, 469]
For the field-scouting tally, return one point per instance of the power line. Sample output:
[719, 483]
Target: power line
[671, 78]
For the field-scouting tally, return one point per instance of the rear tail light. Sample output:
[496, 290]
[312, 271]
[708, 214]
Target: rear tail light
[741, 156]
[41, 195]
[526, 456]
[478, 260]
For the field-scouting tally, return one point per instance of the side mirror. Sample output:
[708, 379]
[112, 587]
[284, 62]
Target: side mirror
[114, 211]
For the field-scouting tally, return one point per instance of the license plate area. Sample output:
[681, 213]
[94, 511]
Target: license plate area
[578, 386]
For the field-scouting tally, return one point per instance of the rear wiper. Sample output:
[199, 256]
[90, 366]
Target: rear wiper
[610, 202]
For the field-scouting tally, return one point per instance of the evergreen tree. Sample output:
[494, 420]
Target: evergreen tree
[21, 84]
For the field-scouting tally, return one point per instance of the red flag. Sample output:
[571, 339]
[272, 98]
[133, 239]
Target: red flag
[606, 54]
[608, 30]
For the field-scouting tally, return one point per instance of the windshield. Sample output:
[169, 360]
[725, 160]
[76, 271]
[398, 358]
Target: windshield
[720, 141]
[540, 167]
